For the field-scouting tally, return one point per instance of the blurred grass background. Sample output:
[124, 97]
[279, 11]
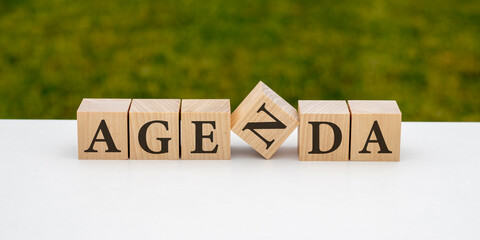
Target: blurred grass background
[424, 54]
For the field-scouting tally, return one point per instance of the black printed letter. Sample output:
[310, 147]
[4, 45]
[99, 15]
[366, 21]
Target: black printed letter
[142, 138]
[107, 138]
[379, 140]
[199, 137]
[252, 126]
[337, 137]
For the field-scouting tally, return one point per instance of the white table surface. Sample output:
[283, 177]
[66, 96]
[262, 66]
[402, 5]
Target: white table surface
[46, 193]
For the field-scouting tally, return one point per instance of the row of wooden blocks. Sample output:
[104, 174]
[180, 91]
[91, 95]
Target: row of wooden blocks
[200, 129]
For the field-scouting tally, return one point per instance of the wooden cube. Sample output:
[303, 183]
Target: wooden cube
[102, 126]
[155, 129]
[264, 120]
[205, 129]
[376, 127]
[324, 130]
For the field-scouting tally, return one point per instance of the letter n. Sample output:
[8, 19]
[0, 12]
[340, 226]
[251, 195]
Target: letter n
[254, 126]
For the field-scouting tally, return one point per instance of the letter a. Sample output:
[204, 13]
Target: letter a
[379, 139]
[107, 138]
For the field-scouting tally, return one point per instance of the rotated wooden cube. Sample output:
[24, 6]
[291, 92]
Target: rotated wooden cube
[376, 128]
[103, 128]
[205, 129]
[324, 130]
[264, 120]
[155, 129]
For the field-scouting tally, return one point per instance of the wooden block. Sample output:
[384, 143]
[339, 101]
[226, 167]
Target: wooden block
[324, 130]
[155, 129]
[102, 126]
[376, 127]
[205, 132]
[264, 120]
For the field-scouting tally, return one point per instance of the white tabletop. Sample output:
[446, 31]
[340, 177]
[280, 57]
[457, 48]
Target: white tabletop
[46, 193]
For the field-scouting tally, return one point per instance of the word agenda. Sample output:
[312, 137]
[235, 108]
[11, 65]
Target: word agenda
[200, 128]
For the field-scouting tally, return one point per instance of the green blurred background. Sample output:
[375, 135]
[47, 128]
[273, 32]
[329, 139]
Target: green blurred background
[424, 54]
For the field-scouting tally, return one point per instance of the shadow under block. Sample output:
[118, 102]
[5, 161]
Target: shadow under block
[264, 120]
[376, 128]
[154, 129]
[102, 128]
[324, 130]
[205, 129]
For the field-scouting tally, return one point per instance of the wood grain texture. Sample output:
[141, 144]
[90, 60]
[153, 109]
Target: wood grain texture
[205, 110]
[90, 114]
[311, 113]
[142, 113]
[250, 111]
[365, 114]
